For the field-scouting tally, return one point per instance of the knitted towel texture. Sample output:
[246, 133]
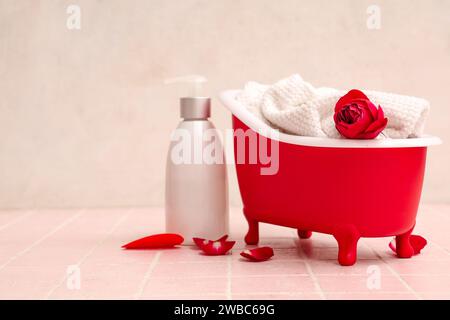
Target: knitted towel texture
[294, 106]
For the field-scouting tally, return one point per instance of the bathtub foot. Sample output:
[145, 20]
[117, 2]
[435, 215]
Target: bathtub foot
[347, 238]
[403, 246]
[252, 236]
[304, 234]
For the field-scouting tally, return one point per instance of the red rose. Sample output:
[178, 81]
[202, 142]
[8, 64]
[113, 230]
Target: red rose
[356, 117]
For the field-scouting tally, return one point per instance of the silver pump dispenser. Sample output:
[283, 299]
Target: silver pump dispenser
[196, 189]
[194, 106]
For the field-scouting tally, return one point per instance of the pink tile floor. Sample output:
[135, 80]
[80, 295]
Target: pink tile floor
[76, 254]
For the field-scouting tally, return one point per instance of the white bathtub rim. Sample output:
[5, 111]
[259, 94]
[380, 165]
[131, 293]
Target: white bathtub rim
[228, 98]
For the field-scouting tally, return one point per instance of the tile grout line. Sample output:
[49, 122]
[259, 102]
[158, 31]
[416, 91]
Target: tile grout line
[370, 292]
[290, 293]
[396, 275]
[439, 246]
[312, 276]
[16, 220]
[228, 289]
[300, 275]
[91, 251]
[147, 275]
[40, 240]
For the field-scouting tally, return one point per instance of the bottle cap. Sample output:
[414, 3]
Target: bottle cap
[195, 108]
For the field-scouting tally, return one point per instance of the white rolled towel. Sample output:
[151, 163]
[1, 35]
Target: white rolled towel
[296, 107]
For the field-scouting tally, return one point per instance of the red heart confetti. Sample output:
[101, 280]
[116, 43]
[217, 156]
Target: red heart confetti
[156, 241]
[258, 254]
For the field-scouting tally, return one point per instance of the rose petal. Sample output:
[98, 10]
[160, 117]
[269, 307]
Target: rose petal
[163, 240]
[258, 254]
[417, 242]
[199, 241]
[373, 109]
[380, 113]
[377, 125]
[214, 247]
[356, 94]
[354, 130]
[344, 130]
[202, 241]
[348, 97]
[374, 129]
[218, 248]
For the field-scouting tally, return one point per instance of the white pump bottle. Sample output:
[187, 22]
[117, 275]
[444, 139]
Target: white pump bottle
[196, 176]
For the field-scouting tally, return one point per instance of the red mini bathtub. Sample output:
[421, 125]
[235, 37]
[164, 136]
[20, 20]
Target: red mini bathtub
[347, 188]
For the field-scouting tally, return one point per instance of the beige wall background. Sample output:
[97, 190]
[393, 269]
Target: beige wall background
[84, 115]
